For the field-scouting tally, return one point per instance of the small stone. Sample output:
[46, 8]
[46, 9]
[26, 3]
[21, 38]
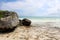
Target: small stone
[26, 22]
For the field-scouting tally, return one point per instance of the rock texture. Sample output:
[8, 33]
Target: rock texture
[20, 22]
[9, 20]
[26, 22]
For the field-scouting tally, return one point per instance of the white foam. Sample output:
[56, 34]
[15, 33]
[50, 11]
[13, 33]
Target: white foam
[45, 20]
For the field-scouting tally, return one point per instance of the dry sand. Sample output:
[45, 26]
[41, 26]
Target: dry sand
[38, 31]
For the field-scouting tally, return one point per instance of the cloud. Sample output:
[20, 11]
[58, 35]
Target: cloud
[34, 7]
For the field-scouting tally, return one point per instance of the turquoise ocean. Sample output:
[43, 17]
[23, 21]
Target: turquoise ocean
[41, 19]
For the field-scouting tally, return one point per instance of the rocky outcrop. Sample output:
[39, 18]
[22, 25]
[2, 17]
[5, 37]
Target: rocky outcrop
[9, 20]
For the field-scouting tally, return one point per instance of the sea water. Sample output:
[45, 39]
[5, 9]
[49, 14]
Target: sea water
[42, 19]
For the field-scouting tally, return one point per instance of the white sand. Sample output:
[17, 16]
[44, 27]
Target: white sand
[37, 31]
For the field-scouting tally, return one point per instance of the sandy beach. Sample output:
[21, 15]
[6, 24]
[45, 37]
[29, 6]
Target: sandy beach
[37, 31]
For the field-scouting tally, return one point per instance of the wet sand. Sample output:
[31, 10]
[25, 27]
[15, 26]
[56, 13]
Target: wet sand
[37, 31]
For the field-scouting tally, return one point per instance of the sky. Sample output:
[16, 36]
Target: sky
[40, 8]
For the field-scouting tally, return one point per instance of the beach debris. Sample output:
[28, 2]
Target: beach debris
[26, 22]
[8, 20]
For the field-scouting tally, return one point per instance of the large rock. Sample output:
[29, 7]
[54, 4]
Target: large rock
[10, 20]
[26, 22]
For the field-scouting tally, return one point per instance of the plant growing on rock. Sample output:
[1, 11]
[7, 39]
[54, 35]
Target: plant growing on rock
[8, 20]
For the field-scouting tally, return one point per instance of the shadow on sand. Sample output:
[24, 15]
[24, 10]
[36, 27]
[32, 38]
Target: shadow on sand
[7, 30]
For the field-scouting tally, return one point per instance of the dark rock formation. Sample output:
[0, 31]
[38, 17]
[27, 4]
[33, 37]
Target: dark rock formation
[9, 20]
[26, 22]
[20, 22]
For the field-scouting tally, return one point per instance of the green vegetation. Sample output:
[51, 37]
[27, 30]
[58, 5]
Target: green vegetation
[1, 14]
[6, 13]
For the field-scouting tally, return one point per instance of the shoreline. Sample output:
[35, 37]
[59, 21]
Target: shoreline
[43, 20]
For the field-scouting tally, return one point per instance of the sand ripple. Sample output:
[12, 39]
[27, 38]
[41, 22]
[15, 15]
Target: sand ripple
[35, 32]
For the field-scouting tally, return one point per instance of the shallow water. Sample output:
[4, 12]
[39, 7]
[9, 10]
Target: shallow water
[42, 19]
